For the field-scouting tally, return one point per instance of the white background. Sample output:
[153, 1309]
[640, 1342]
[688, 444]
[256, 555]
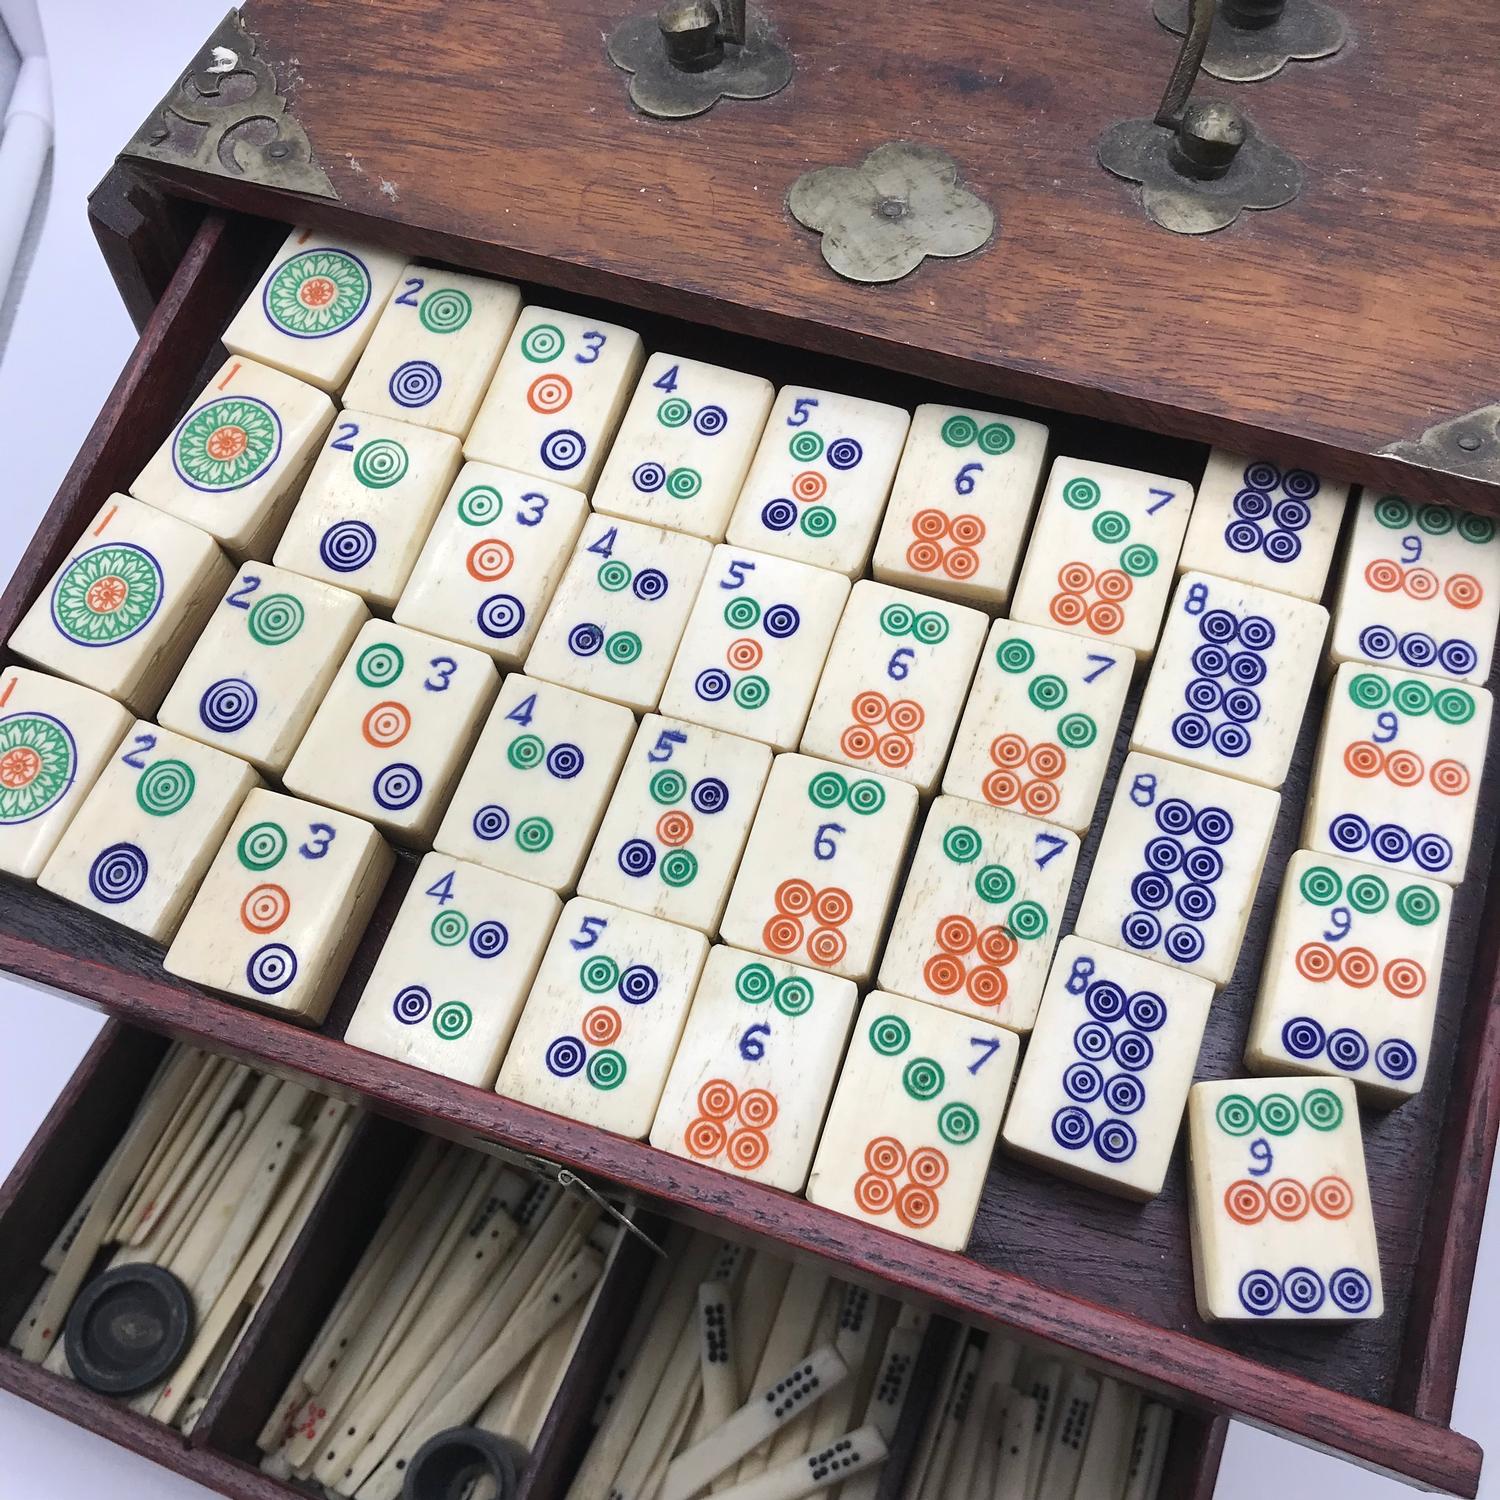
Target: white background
[110, 62]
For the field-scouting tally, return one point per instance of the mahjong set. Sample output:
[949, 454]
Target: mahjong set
[729, 739]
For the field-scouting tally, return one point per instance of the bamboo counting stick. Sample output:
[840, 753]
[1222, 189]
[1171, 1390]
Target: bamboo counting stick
[852, 1454]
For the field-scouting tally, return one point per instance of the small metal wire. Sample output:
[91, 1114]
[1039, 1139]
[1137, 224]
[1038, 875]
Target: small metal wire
[1189, 60]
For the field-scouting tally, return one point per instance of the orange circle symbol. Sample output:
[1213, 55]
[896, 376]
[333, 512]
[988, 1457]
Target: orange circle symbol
[967, 530]
[1288, 1200]
[1245, 1201]
[894, 751]
[1009, 750]
[748, 1149]
[929, 525]
[1001, 788]
[833, 906]
[916, 1206]
[998, 945]
[809, 486]
[956, 934]
[870, 708]
[827, 946]
[1317, 962]
[386, 724]
[1075, 578]
[489, 559]
[1405, 978]
[1463, 591]
[758, 1108]
[794, 898]
[265, 908]
[907, 715]
[1105, 616]
[1363, 759]
[858, 742]
[717, 1099]
[1332, 1197]
[1421, 583]
[961, 563]
[924, 557]
[1113, 583]
[874, 1194]
[1040, 798]
[549, 393]
[943, 974]
[601, 1025]
[1404, 767]
[704, 1139]
[783, 934]
[674, 828]
[1358, 967]
[1383, 575]
[987, 986]
[886, 1156]
[928, 1166]
[1450, 777]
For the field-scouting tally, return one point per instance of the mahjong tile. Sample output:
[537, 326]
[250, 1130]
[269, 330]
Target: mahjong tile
[603, 1020]
[894, 683]
[126, 606]
[820, 479]
[388, 741]
[1102, 552]
[677, 822]
[820, 871]
[261, 665]
[233, 465]
[1420, 589]
[147, 831]
[961, 504]
[531, 797]
[980, 912]
[493, 560]
[755, 645]
[313, 311]
[283, 906]
[685, 446]
[1396, 781]
[1349, 984]
[1176, 872]
[557, 398]
[1279, 1205]
[1039, 724]
[914, 1118]
[434, 349]
[755, 1068]
[1105, 1079]
[618, 614]
[1231, 678]
[455, 969]
[368, 505]
[1264, 524]
[55, 739]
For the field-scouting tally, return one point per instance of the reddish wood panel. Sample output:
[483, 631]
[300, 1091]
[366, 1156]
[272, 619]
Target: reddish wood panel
[1357, 316]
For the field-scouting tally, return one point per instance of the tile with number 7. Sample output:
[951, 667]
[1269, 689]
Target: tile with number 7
[980, 912]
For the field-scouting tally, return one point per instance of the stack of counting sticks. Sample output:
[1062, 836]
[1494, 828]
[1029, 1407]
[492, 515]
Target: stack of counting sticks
[1010, 1425]
[452, 1333]
[211, 1184]
[748, 1378]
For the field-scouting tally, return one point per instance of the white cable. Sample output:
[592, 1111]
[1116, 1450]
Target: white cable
[28, 132]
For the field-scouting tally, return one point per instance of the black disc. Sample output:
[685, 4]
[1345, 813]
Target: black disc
[128, 1329]
[448, 1463]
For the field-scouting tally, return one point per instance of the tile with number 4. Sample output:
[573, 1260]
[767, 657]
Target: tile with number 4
[1231, 679]
[283, 906]
[1396, 781]
[604, 1017]
[980, 912]
[1106, 1074]
[1349, 985]
[617, 617]
[676, 825]
[1420, 589]
[262, 665]
[148, 830]
[55, 739]
[961, 504]
[821, 868]
[1102, 553]
[531, 797]
[895, 682]
[455, 970]
[233, 465]
[914, 1118]
[685, 446]
[1040, 723]
[492, 561]
[820, 479]
[755, 645]
[755, 1069]
[126, 605]
[389, 739]
[1176, 872]
[1279, 1205]
[557, 398]
[1257, 523]
[368, 505]
[434, 349]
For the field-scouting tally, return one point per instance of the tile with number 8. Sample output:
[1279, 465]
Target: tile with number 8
[1039, 724]
[455, 969]
[1176, 872]
[1396, 782]
[914, 1118]
[980, 912]
[820, 871]
[755, 645]
[1102, 552]
[755, 1068]
[1349, 985]
[1279, 1205]
[283, 906]
[388, 741]
[604, 1018]
[531, 797]
[894, 683]
[677, 822]
[961, 504]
